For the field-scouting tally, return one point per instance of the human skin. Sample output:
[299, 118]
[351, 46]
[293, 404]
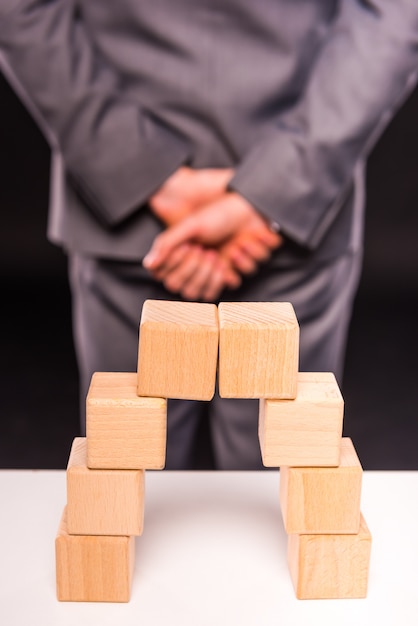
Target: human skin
[213, 236]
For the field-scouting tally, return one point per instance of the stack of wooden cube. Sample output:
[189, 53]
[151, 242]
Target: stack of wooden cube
[254, 348]
[95, 546]
[126, 427]
[300, 431]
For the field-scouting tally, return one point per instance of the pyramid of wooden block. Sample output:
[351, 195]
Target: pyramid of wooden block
[300, 431]
[124, 430]
[178, 350]
[258, 350]
[304, 431]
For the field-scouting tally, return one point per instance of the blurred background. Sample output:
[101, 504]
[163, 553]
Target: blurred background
[38, 375]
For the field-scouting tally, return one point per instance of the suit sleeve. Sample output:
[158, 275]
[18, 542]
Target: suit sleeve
[115, 154]
[298, 175]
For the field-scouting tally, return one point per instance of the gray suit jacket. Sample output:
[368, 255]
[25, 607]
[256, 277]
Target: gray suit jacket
[291, 93]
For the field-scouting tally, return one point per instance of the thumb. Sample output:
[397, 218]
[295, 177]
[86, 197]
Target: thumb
[166, 242]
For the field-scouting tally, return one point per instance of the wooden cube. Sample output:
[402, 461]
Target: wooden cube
[178, 350]
[305, 431]
[124, 431]
[330, 566]
[324, 500]
[93, 568]
[102, 501]
[258, 350]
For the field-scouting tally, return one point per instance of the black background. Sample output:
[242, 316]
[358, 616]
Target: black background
[38, 376]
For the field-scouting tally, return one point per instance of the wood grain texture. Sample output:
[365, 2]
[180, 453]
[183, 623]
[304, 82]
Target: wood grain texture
[92, 568]
[124, 431]
[102, 501]
[178, 350]
[330, 566]
[305, 431]
[323, 500]
[258, 350]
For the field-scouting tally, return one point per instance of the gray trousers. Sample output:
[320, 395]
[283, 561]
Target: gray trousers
[107, 302]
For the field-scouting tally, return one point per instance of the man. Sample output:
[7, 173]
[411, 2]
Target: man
[211, 151]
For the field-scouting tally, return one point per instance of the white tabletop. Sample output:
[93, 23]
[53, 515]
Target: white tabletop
[213, 553]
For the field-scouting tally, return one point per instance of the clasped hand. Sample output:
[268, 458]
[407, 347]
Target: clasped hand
[213, 236]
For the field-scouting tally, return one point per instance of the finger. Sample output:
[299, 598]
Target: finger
[254, 248]
[167, 241]
[195, 286]
[250, 248]
[214, 286]
[231, 277]
[175, 259]
[176, 280]
[241, 261]
[222, 277]
[268, 237]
